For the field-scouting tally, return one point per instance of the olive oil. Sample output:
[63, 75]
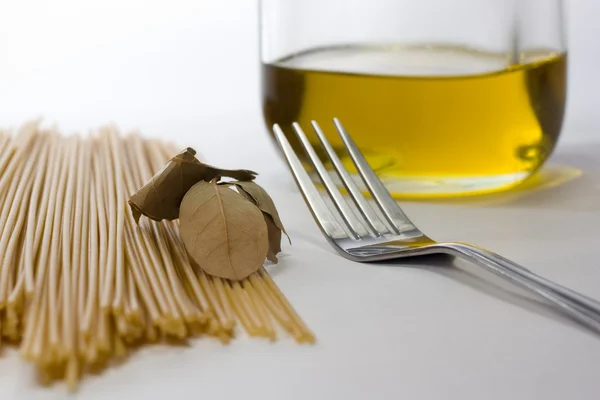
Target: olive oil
[432, 121]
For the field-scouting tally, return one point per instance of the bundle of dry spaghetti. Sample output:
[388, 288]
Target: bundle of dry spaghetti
[81, 283]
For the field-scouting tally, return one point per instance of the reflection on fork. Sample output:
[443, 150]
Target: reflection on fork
[362, 233]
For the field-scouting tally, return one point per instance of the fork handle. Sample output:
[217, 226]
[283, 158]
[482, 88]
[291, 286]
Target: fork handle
[578, 306]
[577, 300]
[581, 299]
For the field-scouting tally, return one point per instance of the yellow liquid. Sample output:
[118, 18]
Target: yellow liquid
[432, 121]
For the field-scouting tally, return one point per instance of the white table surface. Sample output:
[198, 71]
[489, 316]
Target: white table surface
[423, 330]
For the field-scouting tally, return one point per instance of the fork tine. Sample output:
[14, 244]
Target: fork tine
[353, 223]
[361, 202]
[396, 217]
[323, 216]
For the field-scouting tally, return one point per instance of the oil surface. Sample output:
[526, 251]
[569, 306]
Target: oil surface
[445, 120]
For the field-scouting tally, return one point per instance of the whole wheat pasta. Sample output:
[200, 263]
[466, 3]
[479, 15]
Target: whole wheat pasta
[5, 158]
[274, 307]
[98, 249]
[5, 138]
[219, 300]
[139, 254]
[261, 308]
[134, 314]
[85, 214]
[118, 273]
[10, 180]
[306, 334]
[38, 207]
[184, 313]
[244, 302]
[236, 306]
[68, 313]
[224, 296]
[144, 267]
[65, 224]
[16, 218]
[225, 318]
[16, 296]
[98, 315]
[181, 259]
[71, 232]
[55, 263]
[174, 321]
[79, 260]
[19, 146]
[89, 324]
[189, 312]
[272, 298]
[82, 257]
[149, 296]
[32, 346]
[107, 281]
[145, 165]
[44, 229]
[7, 202]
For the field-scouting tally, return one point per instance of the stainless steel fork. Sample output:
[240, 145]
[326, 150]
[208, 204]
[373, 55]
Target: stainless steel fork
[362, 234]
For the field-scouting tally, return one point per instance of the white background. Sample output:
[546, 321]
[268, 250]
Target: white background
[188, 70]
[183, 65]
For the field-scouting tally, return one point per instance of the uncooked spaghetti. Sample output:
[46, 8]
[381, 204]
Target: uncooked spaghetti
[81, 283]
